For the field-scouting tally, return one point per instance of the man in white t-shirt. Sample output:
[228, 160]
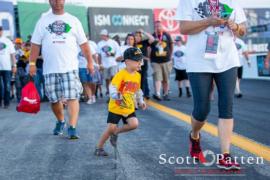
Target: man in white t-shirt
[60, 34]
[7, 67]
[212, 55]
[107, 49]
[243, 55]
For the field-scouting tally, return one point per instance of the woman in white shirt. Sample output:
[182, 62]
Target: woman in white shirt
[212, 55]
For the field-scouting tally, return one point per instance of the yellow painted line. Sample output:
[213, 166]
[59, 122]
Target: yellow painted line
[242, 142]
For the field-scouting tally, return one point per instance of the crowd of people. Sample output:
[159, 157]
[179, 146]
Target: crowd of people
[68, 67]
[107, 55]
[159, 50]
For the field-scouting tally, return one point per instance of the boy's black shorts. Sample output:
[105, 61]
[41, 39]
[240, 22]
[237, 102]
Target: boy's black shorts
[115, 118]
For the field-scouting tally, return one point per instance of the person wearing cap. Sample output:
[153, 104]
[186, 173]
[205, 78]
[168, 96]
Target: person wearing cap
[124, 88]
[7, 67]
[107, 49]
[179, 64]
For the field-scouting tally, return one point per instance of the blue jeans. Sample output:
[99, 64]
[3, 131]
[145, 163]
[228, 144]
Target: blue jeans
[5, 81]
[20, 82]
[39, 82]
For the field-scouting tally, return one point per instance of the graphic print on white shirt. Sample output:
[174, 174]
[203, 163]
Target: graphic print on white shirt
[57, 29]
[107, 50]
[179, 57]
[227, 55]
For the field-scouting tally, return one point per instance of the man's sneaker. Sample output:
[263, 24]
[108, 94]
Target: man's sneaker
[166, 97]
[195, 149]
[100, 152]
[59, 128]
[157, 97]
[113, 140]
[227, 162]
[72, 133]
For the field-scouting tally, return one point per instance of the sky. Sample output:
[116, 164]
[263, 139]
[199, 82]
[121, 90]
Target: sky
[149, 3]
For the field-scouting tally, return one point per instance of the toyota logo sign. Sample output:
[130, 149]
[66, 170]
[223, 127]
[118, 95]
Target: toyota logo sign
[166, 16]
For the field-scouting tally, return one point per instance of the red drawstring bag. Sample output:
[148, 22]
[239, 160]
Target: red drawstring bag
[30, 100]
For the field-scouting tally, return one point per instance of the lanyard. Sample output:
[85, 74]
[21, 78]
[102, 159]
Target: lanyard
[214, 6]
[161, 36]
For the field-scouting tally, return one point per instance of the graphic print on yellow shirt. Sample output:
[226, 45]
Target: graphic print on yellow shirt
[127, 85]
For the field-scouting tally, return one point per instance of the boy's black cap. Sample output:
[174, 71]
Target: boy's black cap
[133, 53]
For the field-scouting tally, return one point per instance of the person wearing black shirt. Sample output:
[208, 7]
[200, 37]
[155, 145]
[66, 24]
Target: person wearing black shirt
[144, 45]
[161, 59]
[20, 77]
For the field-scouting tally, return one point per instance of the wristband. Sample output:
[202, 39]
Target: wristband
[32, 63]
[237, 29]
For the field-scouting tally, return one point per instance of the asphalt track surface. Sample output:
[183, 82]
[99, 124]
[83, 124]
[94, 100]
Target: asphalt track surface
[28, 149]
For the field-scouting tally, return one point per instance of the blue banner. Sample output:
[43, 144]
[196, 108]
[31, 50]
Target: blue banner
[258, 22]
[7, 19]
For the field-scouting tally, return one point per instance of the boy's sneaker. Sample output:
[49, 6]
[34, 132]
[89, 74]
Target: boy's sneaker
[227, 162]
[59, 128]
[72, 133]
[195, 149]
[100, 152]
[113, 140]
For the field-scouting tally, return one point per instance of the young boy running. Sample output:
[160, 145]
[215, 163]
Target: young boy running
[124, 89]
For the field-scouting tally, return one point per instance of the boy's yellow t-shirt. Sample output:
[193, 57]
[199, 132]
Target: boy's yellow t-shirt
[127, 85]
